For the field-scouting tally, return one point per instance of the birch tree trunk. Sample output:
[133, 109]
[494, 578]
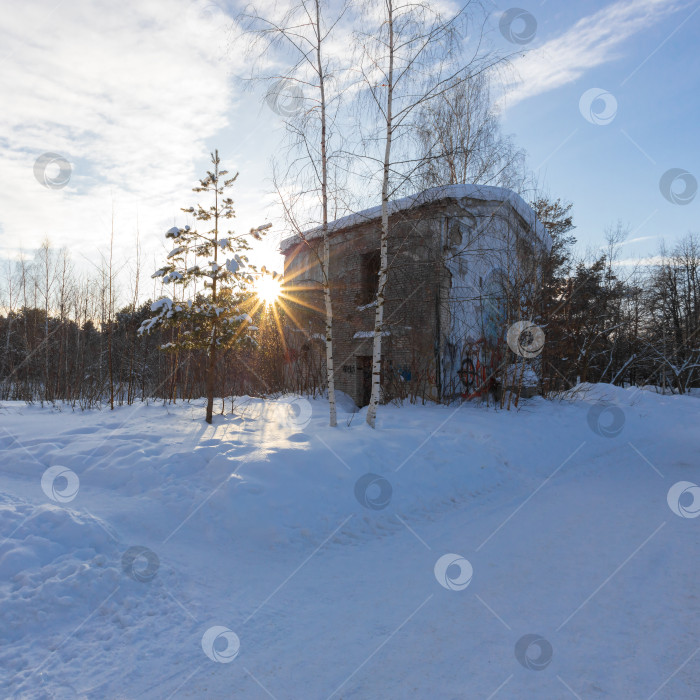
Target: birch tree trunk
[383, 244]
[330, 373]
[298, 40]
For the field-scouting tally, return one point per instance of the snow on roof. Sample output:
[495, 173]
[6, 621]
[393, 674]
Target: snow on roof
[434, 194]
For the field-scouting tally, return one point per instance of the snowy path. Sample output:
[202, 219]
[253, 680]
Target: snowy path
[257, 527]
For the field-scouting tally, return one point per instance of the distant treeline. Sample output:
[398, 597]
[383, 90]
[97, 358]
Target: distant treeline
[60, 359]
[60, 340]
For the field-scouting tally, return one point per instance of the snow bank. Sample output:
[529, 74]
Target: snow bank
[318, 547]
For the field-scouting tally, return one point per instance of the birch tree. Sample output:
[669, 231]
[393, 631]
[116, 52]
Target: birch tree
[302, 93]
[47, 265]
[409, 55]
[459, 140]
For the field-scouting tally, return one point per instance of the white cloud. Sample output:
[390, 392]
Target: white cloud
[649, 261]
[591, 42]
[133, 93]
[631, 241]
[129, 92]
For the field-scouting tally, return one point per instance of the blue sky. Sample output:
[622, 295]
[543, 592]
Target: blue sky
[134, 95]
[612, 171]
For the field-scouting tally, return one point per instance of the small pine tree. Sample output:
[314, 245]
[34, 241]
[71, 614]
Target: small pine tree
[213, 320]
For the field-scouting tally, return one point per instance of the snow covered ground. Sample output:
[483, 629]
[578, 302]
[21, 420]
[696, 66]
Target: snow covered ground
[145, 554]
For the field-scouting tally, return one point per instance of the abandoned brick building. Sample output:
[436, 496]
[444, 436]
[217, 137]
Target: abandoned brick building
[455, 255]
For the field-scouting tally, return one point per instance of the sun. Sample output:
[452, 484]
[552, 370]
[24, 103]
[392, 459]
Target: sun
[268, 288]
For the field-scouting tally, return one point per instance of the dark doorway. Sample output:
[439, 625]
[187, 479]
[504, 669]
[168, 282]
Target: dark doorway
[370, 277]
[364, 378]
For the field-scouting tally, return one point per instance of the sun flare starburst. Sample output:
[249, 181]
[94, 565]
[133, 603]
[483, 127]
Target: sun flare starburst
[268, 289]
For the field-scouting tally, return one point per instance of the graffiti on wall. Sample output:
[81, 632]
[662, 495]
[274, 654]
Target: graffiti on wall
[478, 373]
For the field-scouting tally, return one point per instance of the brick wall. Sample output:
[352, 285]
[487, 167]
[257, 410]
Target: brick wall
[416, 313]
